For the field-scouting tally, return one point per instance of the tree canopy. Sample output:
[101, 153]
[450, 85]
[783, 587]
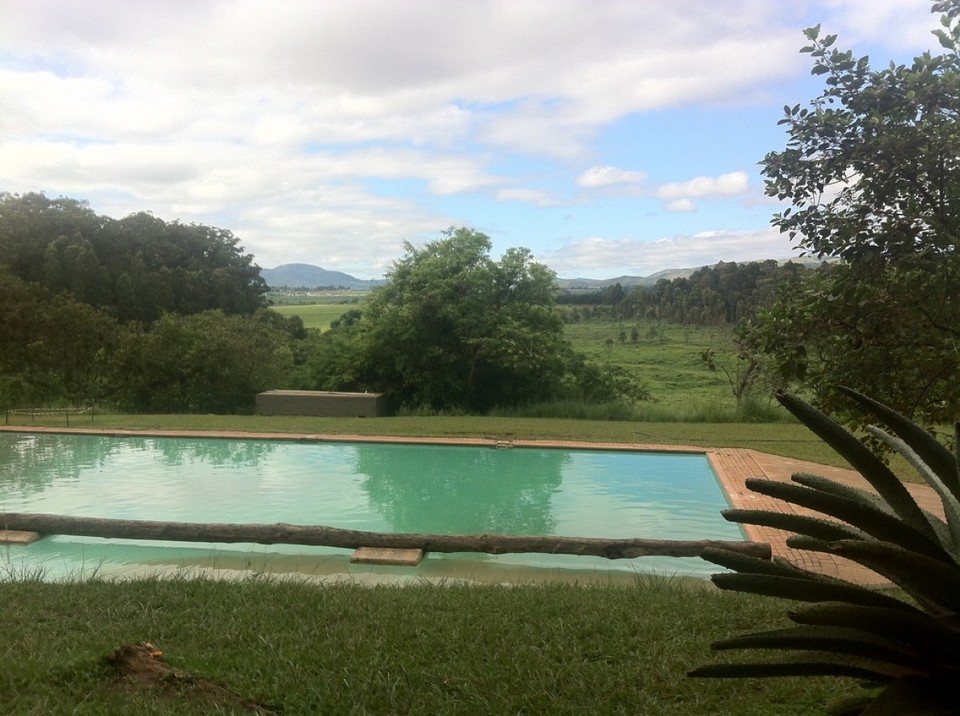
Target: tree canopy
[139, 312]
[454, 328]
[136, 268]
[872, 171]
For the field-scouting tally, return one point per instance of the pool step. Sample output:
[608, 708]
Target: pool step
[387, 555]
[18, 537]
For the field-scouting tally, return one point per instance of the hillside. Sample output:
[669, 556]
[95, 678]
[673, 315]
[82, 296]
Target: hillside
[310, 276]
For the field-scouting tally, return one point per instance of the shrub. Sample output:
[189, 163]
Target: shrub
[906, 645]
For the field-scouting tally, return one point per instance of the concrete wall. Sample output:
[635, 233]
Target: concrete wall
[321, 403]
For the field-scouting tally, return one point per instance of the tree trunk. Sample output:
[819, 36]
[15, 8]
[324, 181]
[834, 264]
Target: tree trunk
[335, 537]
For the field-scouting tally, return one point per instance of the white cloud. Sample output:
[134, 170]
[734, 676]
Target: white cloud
[537, 197]
[606, 176]
[603, 257]
[730, 184]
[257, 113]
[681, 205]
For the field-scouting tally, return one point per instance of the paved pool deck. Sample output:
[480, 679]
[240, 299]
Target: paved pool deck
[731, 465]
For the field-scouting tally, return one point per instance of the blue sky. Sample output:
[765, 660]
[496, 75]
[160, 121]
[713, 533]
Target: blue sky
[610, 137]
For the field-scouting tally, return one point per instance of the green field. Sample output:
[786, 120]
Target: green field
[315, 315]
[664, 356]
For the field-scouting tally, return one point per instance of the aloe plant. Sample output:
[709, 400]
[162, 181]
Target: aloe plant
[902, 644]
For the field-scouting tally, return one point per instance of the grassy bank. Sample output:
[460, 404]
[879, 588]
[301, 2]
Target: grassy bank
[300, 649]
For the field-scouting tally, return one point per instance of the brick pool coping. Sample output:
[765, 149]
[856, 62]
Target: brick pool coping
[731, 465]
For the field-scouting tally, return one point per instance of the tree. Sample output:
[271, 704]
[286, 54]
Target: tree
[207, 362]
[136, 267]
[454, 328]
[871, 170]
[901, 644]
[52, 347]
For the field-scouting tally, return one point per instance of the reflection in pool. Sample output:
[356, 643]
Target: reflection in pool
[380, 487]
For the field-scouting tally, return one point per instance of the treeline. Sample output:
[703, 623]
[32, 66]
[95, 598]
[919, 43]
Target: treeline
[726, 293]
[152, 316]
[148, 314]
[136, 268]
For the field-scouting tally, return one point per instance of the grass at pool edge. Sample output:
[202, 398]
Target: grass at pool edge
[422, 648]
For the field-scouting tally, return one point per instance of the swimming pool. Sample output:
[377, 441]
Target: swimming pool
[383, 487]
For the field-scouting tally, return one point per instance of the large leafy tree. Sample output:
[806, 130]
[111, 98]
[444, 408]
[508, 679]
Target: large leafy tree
[52, 347]
[872, 172]
[136, 267]
[454, 328]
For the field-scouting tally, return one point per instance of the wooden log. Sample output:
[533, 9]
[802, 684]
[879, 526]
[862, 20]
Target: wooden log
[319, 535]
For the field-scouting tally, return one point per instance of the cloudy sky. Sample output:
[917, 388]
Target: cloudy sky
[610, 137]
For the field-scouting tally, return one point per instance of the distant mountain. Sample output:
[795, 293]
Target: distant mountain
[592, 284]
[310, 276]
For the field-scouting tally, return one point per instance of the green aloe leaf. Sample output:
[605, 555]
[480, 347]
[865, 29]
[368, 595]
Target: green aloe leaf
[803, 524]
[803, 589]
[745, 564]
[874, 522]
[862, 460]
[929, 581]
[951, 506]
[934, 454]
[832, 487]
[833, 640]
[914, 629]
[804, 665]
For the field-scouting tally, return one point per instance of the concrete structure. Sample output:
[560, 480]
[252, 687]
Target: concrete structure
[321, 403]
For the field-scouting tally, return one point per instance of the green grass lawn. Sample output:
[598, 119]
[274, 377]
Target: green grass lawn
[302, 649]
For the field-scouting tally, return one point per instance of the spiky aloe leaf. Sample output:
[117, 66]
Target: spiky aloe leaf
[744, 564]
[863, 461]
[832, 487]
[833, 640]
[930, 581]
[951, 506]
[938, 457]
[804, 665]
[804, 524]
[865, 517]
[802, 589]
[916, 629]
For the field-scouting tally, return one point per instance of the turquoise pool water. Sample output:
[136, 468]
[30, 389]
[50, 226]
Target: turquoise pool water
[365, 486]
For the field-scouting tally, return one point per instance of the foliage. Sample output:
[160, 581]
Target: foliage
[841, 327]
[207, 362]
[713, 295]
[909, 646]
[136, 267]
[455, 329]
[870, 171]
[52, 347]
